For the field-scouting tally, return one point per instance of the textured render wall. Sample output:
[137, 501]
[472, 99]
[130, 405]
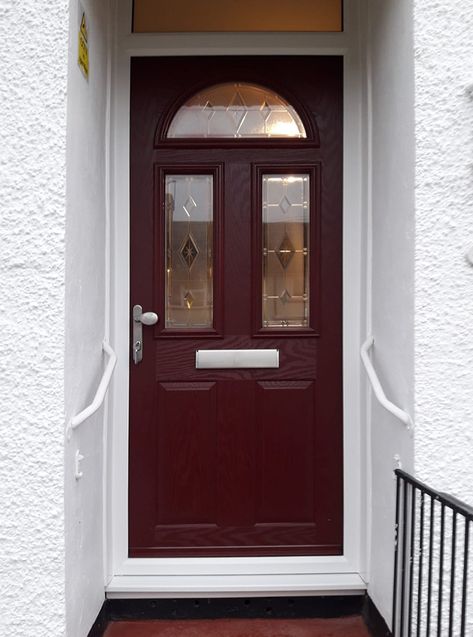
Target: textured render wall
[391, 76]
[33, 72]
[85, 316]
[444, 232]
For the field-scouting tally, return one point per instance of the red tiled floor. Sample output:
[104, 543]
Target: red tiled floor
[343, 627]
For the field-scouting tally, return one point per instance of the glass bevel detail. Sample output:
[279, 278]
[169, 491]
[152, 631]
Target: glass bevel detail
[189, 251]
[236, 110]
[285, 250]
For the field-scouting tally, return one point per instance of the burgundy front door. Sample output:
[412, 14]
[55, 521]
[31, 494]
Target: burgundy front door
[236, 243]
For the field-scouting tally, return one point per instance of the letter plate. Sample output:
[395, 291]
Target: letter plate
[236, 358]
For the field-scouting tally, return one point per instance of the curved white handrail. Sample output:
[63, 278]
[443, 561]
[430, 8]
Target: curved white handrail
[100, 393]
[378, 390]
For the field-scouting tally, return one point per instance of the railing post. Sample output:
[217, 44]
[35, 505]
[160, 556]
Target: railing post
[403, 562]
[396, 553]
[465, 577]
[421, 564]
[411, 558]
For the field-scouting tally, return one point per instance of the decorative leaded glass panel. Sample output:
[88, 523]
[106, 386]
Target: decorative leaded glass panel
[286, 217]
[189, 251]
[236, 110]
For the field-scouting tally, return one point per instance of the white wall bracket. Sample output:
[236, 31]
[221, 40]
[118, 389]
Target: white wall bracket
[77, 469]
[397, 464]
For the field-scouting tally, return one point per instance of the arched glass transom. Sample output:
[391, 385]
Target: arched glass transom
[236, 110]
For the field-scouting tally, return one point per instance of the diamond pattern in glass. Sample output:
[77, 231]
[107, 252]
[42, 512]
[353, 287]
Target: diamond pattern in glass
[189, 251]
[189, 248]
[285, 205]
[265, 109]
[209, 110]
[285, 252]
[285, 297]
[237, 101]
[189, 206]
[236, 110]
[189, 300]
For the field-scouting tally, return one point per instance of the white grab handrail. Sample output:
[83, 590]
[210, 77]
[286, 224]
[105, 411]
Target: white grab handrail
[378, 390]
[100, 393]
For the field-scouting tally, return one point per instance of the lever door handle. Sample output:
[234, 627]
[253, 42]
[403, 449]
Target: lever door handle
[147, 318]
[140, 318]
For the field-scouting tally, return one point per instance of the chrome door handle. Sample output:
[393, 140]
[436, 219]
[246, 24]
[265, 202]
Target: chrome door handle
[148, 318]
[140, 318]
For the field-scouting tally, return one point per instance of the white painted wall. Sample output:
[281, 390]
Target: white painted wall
[444, 280]
[390, 77]
[33, 73]
[85, 314]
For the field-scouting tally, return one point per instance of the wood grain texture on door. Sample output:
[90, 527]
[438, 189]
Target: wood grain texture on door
[235, 462]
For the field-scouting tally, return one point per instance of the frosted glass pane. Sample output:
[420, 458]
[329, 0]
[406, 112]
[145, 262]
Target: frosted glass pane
[237, 111]
[189, 251]
[158, 16]
[286, 217]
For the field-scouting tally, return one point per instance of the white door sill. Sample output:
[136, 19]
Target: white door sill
[161, 586]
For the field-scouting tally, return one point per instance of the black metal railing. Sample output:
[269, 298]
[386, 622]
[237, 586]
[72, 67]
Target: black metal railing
[432, 566]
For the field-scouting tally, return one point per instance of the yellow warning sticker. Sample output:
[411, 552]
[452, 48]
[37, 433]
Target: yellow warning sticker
[83, 47]
[83, 26]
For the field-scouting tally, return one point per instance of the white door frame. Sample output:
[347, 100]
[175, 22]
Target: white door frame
[147, 577]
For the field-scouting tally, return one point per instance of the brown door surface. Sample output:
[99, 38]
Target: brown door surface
[236, 243]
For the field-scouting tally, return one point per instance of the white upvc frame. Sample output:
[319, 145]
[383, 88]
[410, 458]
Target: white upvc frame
[188, 576]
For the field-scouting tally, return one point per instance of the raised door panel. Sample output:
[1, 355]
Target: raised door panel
[285, 417]
[187, 447]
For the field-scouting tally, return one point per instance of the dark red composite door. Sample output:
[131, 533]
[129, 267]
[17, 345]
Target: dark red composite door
[236, 243]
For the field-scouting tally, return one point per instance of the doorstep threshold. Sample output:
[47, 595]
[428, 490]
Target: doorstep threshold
[175, 586]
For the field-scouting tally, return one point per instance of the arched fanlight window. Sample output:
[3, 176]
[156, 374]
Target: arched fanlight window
[236, 110]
